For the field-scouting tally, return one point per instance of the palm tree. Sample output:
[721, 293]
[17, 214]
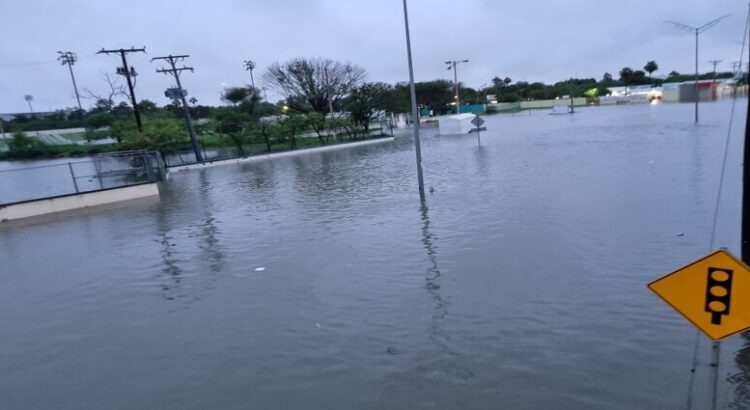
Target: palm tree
[28, 99]
[193, 101]
[650, 67]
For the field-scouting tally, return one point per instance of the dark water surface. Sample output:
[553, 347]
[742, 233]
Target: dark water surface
[521, 284]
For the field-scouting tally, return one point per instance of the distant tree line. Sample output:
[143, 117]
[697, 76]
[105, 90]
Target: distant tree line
[311, 89]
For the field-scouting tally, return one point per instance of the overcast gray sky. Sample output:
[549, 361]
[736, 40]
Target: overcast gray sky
[532, 40]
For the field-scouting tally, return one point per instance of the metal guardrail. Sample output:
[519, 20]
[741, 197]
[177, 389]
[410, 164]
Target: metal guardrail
[66, 178]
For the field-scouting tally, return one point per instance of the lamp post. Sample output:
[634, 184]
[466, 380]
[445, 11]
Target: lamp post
[697, 31]
[414, 114]
[452, 65]
[479, 90]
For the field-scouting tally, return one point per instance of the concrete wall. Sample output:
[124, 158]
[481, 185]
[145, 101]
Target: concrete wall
[502, 107]
[76, 201]
[525, 105]
[290, 153]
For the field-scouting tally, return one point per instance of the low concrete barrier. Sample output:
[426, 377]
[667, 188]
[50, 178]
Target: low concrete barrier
[278, 154]
[76, 201]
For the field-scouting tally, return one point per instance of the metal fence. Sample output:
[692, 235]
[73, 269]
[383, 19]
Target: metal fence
[58, 178]
[379, 128]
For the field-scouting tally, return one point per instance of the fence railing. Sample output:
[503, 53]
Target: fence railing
[74, 177]
[258, 146]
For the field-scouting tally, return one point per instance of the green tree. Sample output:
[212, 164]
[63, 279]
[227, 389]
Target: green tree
[235, 95]
[160, 133]
[236, 125]
[399, 99]
[650, 67]
[23, 146]
[313, 83]
[626, 76]
[437, 95]
[365, 101]
[291, 126]
[146, 106]
[318, 123]
[99, 120]
[607, 78]
[639, 77]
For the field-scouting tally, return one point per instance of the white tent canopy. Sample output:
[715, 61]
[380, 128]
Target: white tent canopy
[456, 124]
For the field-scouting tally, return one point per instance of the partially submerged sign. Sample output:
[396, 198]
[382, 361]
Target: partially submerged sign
[713, 293]
[477, 121]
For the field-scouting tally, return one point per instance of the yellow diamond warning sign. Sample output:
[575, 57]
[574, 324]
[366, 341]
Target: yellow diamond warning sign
[713, 293]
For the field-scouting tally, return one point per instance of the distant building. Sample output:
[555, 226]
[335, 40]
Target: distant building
[40, 114]
[708, 90]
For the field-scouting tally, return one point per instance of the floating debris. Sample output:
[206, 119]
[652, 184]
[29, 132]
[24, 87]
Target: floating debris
[392, 350]
[260, 269]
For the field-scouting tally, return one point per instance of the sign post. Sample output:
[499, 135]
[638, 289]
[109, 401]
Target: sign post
[712, 293]
[478, 121]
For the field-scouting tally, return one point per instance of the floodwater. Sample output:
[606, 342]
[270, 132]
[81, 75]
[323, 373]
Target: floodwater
[321, 282]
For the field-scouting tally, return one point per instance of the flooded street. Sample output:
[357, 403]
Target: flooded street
[322, 282]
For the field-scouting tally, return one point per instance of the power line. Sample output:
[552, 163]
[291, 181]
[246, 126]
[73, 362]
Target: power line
[175, 72]
[128, 73]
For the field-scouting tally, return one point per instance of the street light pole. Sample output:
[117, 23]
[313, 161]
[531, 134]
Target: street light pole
[453, 65]
[414, 114]
[697, 31]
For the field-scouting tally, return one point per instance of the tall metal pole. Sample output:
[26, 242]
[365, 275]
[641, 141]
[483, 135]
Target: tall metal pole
[414, 113]
[188, 119]
[715, 356]
[746, 182]
[697, 31]
[455, 85]
[75, 87]
[697, 94]
[69, 58]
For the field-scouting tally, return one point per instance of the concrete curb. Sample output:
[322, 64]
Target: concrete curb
[278, 155]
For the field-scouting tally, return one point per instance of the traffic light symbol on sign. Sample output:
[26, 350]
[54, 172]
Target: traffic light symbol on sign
[718, 293]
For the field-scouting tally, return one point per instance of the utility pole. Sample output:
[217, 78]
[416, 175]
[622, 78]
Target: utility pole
[746, 182]
[452, 65]
[697, 31]
[414, 113]
[128, 73]
[250, 66]
[69, 58]
[713, 81]
[175, 72]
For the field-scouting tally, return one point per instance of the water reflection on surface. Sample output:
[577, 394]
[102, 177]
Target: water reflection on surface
[321, 281]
